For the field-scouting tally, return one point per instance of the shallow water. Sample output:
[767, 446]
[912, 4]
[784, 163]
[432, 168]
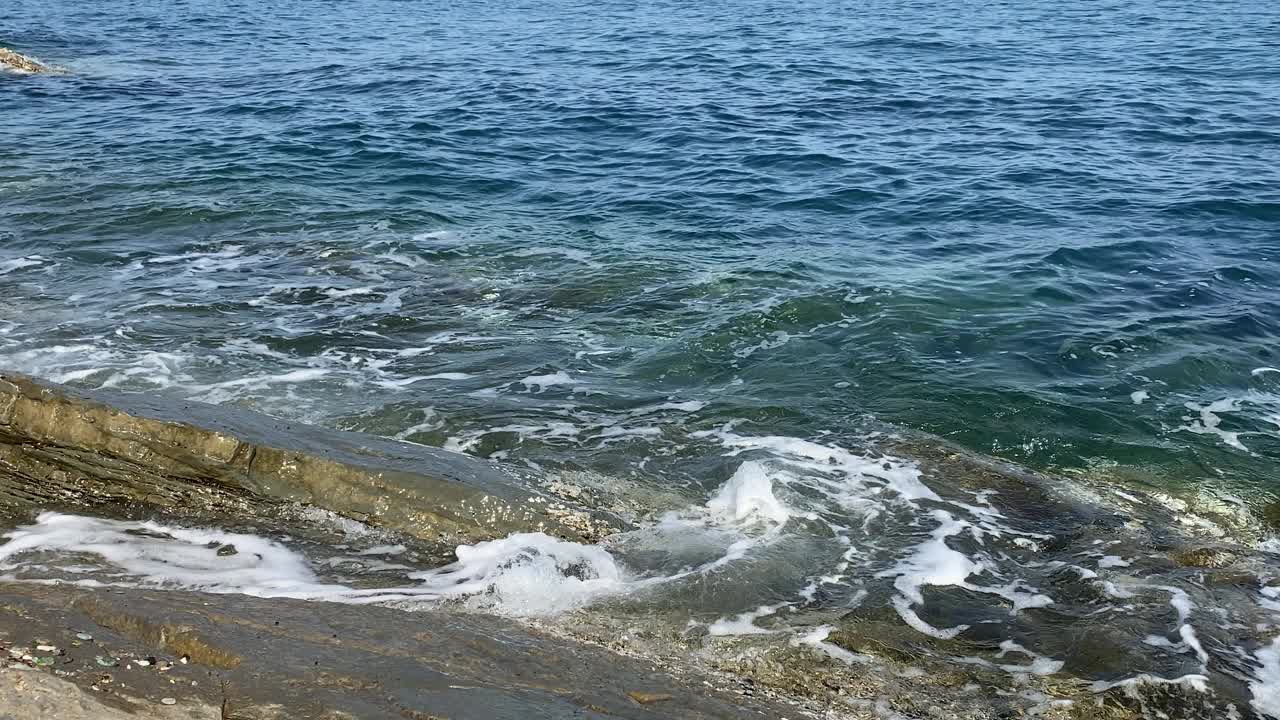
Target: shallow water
[706, 259]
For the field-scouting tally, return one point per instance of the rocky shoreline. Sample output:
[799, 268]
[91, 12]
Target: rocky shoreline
[77, 652]
[113, 654]
[95, 649]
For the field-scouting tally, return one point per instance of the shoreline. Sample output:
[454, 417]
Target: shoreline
[131, 458]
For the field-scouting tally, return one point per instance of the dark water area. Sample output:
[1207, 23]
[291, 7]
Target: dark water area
[645, 242]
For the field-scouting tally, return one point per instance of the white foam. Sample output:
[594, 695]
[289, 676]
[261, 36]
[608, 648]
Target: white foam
[857, 470]
[525, 574]
[9, 266]
[1039, 665]
[748, 497]
[338, 294]
[254, 348]
[775, 339]
[429, 422]
[1195, 681]
[528, 574]
[1138, 396]
[1266, 683]
[614, 433]
[230, 251]
[931, 563]
[1209, 421]
[817, 639]
[688, 406]
[542, 382]
[744, 623]
[228, 390]
[554, 431]
[181, 558]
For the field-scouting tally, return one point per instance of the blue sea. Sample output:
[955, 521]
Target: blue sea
[728, 254]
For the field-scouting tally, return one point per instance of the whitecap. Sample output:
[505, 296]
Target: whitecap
[539, 383]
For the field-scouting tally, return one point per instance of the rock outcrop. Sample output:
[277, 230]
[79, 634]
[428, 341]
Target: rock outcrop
[64, 448]
[17, 61]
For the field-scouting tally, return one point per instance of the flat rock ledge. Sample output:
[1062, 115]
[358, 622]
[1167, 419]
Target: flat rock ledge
[94, 654]
[62, 448]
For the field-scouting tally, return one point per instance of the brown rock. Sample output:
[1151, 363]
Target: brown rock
[645, 698]
[1204, 557]
[17, 61]
[60, 446]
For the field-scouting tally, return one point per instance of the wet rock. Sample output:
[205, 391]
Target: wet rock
[60, 446]
[1211, 558]
[1271, 514]
[1149, 698]
[1069, 585]
[227, 550]
[174, 638]
[34, 694]
[16, 61]
[303, 659]
[878, 638]
[1238, 579]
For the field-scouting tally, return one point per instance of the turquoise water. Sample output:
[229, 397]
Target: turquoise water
[993, 222]
[584, 237]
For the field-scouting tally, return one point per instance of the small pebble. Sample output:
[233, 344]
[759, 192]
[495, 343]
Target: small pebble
[44, 661]
[107, 661]
[143, 663]
[168, 701]
[46, 648]
[183, 659]
[84, 636]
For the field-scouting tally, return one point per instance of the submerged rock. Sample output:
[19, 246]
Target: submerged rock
[1271, 514]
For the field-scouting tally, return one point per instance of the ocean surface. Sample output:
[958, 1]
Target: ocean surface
[739, 256]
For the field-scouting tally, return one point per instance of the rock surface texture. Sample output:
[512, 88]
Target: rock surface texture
[191, 655]
[64, 448]
[17, 61]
